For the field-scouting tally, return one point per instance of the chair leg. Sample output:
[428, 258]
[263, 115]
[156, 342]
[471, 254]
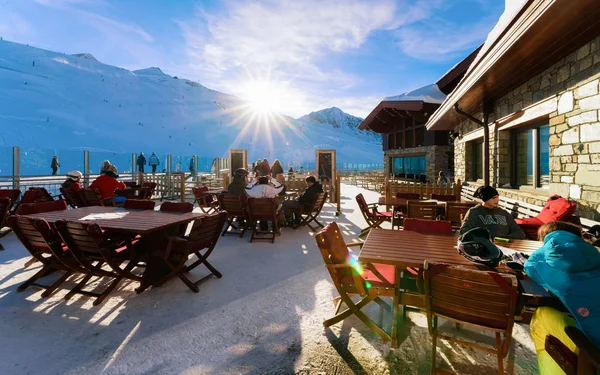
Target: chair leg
[107, 291]
[433, 345]
[187, 282]
[499, 353]
[29, 282]
[56, 284]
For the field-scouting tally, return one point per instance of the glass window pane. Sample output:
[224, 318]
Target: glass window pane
[544, 143]
[422, 164]
[477, 160]
[524, 158]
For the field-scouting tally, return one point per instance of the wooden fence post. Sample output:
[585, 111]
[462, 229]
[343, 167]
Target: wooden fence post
[182, 176]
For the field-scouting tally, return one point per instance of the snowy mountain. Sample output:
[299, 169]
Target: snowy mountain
[68, 103]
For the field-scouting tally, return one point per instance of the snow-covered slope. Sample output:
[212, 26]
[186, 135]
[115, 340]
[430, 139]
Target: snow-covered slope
[56, 101]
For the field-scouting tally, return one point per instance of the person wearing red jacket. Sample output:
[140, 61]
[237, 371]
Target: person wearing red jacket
[107, 183]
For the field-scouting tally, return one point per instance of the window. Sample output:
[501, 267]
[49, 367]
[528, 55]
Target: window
[531, 155]
[410, 166]
[477, 160]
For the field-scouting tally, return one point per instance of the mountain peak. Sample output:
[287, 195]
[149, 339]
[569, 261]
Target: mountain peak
[86, 55]
[152, 71]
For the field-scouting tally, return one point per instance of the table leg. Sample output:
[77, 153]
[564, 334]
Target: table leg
[395, 322]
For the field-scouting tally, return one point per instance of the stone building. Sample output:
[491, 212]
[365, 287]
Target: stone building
[526, 115]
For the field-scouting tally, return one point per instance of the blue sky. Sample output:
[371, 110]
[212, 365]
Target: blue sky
[298, 56]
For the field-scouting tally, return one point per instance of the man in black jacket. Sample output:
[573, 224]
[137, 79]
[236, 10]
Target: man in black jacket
[292, 206]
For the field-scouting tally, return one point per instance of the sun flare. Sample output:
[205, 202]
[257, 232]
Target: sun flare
[263, 97]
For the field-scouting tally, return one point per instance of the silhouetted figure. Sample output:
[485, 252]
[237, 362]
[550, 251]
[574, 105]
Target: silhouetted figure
[193, 167]
[153, 162]
[141, 161]
[54, 165]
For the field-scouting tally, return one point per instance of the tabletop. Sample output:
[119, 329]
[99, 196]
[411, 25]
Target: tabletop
[120, 219]
[410, 249]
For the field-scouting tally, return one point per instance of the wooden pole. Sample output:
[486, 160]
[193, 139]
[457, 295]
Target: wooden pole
[338, 193]
[182, 175]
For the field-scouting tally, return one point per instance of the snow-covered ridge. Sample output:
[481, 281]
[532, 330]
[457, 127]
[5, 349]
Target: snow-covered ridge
[55, 101]
[88, 56]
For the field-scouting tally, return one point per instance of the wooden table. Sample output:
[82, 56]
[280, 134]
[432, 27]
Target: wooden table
[120, 219]
[404, 249]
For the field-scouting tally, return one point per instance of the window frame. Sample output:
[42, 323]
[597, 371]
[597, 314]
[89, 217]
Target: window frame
[536, 152]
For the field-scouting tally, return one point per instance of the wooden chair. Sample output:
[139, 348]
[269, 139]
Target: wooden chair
[139, 204]
[309, 213]
[456, 210]
[235, 205]
[263, 209]
[144, 193]
[373, 217]
[72, 197]
[150, 188]
[206, 202]
[36, 208]
[92, 248]
[127, 193]
[91, 197]
[182, 207]
[5, 204]
[14, 195]
[439, 227]
[421, 210]
[587, 362]
[350, 278]
[204, 235]
[45, 245]
[444, 197]
[482, 299]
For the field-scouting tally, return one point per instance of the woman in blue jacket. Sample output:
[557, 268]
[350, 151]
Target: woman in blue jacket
[569, 268]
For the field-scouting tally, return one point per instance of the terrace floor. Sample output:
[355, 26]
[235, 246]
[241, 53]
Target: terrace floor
[263, 317]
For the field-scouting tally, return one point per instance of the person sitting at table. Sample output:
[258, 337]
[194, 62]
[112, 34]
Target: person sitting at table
[239, 182]
[569, 268]
[290, 207]
[488, 215]
[260, 188]
[107, 184]
[73, 181]
[281, 179]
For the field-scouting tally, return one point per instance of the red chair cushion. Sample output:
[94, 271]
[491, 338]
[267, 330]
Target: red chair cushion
[384, 214]
[387, 271]
[557, 208]
[529, 222]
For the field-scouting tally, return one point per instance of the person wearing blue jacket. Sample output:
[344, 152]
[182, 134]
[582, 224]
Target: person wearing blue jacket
[569, 268]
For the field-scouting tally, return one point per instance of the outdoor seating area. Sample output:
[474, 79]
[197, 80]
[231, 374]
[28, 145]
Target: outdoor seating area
[111, 269]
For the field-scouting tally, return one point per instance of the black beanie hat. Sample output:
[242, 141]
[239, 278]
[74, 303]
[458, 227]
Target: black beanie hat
[485, 192]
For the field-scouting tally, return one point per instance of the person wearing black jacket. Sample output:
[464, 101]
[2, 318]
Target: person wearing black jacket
[239, 183]
[292, 206]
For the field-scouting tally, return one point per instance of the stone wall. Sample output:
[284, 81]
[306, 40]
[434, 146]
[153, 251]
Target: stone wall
[574, 82]
[436, 159]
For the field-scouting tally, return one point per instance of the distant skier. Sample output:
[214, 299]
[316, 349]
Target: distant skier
[54, 165]
[193, 166]
[153, 162]
[141, 161]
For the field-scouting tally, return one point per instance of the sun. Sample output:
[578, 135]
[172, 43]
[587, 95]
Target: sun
[263, 96]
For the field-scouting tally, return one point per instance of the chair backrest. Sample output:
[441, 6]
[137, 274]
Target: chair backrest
[81, 237]
[38, 194]
[481, 298]
[127, 193]
[421, 210]
[364, 207]
[36, 235]
[130, 184]
[36, 208]
[444, 197]
[5, 204]
[144, 193]
[30, 196]
[200, 193]
[91, 197]
[12, 194]
[72, 197]
[557, 208]
[139, 204]
[150, 188]
[318, 203]
[454, 211]
[410, 196]
[205, 232]
[335, 252]
[183, 207]
[262, 208]
[235, 205]
[440, 227]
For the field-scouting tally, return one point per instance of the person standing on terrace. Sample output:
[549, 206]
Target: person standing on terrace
[154, 162]
[276, 168]
[488, 215]
[54, 165]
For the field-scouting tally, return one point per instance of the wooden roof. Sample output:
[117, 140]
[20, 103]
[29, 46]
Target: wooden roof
[539, 35]
[388, 113]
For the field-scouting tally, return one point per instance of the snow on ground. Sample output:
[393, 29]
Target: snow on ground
[263, 317]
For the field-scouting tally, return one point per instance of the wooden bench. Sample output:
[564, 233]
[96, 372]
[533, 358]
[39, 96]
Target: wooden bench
[518, 209]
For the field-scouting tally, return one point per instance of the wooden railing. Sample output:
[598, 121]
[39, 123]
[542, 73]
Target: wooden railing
[424, 190]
